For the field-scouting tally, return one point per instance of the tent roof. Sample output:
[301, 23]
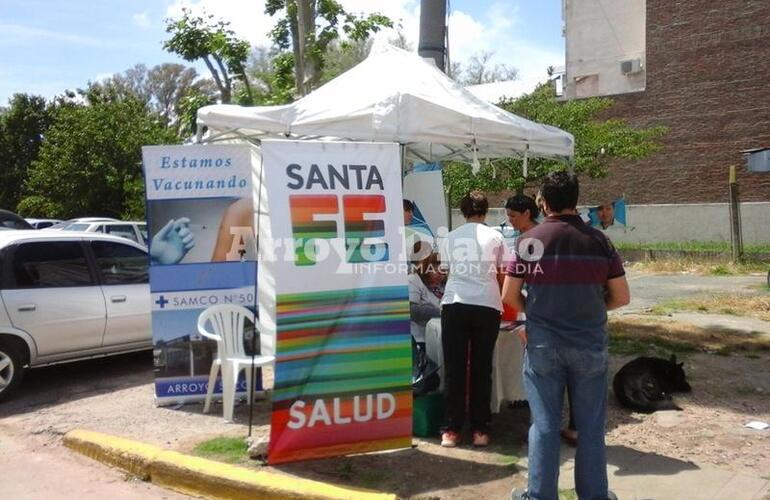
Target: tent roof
[395, 96]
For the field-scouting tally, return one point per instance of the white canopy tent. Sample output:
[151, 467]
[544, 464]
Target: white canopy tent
[395, 96]
[392, 96]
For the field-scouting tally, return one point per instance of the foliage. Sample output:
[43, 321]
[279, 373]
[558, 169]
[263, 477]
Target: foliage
[22, 127]
[272, 73]
[166, 88]
[598, 143]
[188, 112]
[305, 29]
[225, 55]
[340, 57]
[479, 69]
[90, 161]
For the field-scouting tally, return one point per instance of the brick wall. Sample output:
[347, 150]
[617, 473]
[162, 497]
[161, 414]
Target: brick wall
[708, 81]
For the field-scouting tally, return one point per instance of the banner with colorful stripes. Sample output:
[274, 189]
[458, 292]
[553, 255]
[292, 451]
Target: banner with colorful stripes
[343, 346]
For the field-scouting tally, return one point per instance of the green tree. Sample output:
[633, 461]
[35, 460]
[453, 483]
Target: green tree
[272, 74]
[272, 71]
[480, 69]
[90, 161]
[166, 88]
[22, 126]
[188, 112]
[599, 142]
[225, 55]
[306, 28]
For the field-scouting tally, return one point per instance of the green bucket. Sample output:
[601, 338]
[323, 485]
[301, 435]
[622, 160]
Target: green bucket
[427, 414]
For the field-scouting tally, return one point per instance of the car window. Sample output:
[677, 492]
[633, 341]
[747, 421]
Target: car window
[143, 231]
[50, 264]
[122, 230]
[13, 224]
[76, 227]
[43, 225]
[120, 264]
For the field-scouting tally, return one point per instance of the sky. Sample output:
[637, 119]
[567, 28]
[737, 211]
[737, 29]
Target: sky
[50, 46]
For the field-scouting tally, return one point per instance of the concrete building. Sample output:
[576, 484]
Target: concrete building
[698, 67]
[605, 47]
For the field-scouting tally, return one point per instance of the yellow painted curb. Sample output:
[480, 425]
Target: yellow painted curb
[131, 456]
[201, 477]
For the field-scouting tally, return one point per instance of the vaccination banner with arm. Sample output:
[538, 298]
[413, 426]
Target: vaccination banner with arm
[202, 253]
[343, 354]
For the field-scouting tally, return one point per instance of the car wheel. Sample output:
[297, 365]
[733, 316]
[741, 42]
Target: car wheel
[11, 369]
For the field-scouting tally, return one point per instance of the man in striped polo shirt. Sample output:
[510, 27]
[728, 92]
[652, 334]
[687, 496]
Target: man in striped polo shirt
[573, 276]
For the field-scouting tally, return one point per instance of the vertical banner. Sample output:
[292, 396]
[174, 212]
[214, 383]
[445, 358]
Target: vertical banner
[202, 253]
[343, 365]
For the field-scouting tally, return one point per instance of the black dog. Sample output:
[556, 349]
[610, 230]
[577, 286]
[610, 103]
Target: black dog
[645, 384]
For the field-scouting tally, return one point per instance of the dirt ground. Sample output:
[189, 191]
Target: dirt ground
[116, 396]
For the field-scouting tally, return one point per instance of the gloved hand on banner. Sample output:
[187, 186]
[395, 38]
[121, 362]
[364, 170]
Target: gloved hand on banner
[172, 242]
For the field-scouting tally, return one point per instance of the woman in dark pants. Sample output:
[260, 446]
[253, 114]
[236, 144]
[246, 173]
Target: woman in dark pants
[470, 317]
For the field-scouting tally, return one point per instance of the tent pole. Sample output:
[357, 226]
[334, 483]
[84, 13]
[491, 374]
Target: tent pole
[402, 148]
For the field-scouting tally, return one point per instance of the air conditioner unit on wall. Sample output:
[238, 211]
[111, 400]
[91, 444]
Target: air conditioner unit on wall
[631, 66]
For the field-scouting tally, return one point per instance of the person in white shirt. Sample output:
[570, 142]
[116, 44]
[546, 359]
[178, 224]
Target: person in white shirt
[470, 314]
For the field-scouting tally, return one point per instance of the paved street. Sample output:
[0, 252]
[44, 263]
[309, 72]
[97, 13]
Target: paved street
[31, 471]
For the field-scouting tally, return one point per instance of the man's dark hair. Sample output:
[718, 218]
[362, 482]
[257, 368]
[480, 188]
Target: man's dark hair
[408, 206]
[473, 204]
[521, 203]
[560, 191]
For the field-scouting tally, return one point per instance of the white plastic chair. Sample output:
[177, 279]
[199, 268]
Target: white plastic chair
[228, 321]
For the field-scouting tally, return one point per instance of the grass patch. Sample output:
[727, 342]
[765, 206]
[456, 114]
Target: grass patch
[509, 458]
[642, 336]
[568, 495]
[223, 449]
[701, 267]
[693, 246]
[747, 305]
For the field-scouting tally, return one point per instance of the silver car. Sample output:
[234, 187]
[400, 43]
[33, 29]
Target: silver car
[136, 231]
[67, 296]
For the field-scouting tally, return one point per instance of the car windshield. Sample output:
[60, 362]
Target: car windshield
[76, 227]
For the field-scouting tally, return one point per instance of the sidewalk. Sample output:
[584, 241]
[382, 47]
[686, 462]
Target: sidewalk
[634, 475]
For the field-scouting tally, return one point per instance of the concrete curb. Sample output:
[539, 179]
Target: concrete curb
[201, 477]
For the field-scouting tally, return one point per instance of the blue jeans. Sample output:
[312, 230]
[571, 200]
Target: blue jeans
[547, 371]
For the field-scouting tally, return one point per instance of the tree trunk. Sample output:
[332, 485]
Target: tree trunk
[299, 74]
[246, 84]
[304, 65]
[228, 83]
[224, 93]
[433, 31]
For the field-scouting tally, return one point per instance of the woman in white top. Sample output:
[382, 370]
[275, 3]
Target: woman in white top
[470, 315]
[426, 287]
